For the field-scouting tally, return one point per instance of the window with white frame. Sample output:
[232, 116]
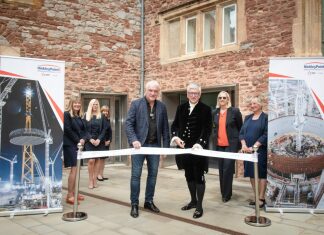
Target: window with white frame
[203, 29]
[191, 34]
[209, 30]
[174, 38]
[229, 24]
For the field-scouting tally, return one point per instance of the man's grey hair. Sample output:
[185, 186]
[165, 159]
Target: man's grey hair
[152, 83]
[195, 86]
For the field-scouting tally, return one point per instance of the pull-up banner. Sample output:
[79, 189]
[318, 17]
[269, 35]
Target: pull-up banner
[31, 131]
[296, 135]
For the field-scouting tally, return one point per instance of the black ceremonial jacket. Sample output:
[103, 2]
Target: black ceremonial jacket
[194, 128]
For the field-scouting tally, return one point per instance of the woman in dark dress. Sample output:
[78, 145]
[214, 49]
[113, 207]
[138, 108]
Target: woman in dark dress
[227, 123]
[74, 133]
[101, 161]
[95, 137]
[254, 135]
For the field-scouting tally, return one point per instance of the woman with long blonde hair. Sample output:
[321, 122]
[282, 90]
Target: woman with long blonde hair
[74, 133]
[95, 134]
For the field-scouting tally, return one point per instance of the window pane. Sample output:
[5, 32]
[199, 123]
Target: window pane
[229, 24]
[191, 35]
[174, 38]
[209, 30]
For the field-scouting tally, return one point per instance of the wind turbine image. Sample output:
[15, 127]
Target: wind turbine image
[12, 162]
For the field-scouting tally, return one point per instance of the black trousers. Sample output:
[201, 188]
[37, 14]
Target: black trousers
[226, 172]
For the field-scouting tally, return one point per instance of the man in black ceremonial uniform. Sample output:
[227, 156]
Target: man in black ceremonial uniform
[191, 128]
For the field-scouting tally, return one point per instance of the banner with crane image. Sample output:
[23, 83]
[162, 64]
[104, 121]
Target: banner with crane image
[296, 135]
[31, 135]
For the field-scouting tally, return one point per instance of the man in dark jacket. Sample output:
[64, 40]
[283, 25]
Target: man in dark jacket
[147, 126]
[191, 128]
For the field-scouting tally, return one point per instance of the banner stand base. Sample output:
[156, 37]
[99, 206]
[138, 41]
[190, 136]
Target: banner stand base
[252, 220]
[44, 211]
[74, 216]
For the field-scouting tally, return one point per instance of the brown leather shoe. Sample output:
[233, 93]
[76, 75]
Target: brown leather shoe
[80, 197]
[70, 200]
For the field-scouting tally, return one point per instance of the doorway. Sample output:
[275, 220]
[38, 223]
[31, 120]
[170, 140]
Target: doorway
[118, 109]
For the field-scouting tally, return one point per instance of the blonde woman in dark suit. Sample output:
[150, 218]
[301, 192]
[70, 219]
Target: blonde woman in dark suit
[74, 133]
[95, 136]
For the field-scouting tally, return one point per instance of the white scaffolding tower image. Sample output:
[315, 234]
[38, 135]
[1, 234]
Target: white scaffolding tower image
[300, 109]
[4, 95]
[12, 162]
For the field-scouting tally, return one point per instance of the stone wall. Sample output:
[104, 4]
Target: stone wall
[99, 40]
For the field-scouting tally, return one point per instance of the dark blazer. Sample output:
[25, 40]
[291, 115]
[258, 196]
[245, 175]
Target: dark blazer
[263, 133]
[102, 129]
[192, 129]
[108, 135]
[72, 131]
[137, 123]
[234, 123]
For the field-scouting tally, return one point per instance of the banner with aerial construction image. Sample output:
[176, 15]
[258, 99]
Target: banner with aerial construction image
[296, 135]
[31, 135]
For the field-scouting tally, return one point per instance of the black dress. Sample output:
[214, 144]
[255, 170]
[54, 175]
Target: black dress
[95, 129]
[74, 130]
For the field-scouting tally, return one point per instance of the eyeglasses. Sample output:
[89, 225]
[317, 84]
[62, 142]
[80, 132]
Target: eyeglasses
[222, 98]
[193, 93]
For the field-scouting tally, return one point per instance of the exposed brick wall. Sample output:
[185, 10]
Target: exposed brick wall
[99, 40]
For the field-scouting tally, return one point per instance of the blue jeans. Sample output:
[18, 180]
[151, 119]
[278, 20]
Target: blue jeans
[152, 169]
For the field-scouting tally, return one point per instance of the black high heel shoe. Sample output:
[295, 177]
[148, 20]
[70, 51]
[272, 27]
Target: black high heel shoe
[261, 205]
[100, 179]
[188, 207]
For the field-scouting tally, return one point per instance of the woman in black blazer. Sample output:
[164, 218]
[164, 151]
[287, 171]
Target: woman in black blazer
[74, 133]
[95, 138]
[101, 161]
[227, 122]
